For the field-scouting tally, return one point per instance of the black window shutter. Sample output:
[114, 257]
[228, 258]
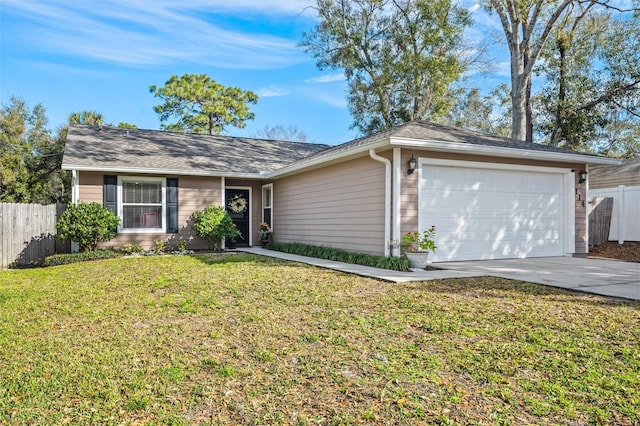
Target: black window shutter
[172, 205]
[110, 193]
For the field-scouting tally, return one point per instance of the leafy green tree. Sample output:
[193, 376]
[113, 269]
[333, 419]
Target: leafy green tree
[527, 27]
[400, 57]
[87, 224]
[214, 224]
[200, 105]
[489, 114]
[92, 118]
[591, 100]
[30, 157]
[124, 125]
[15, 153]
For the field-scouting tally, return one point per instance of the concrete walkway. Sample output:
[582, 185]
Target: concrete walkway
[365, 271]
[598, 276]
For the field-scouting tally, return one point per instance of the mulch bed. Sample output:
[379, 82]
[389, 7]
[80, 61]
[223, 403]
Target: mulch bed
[629, 251]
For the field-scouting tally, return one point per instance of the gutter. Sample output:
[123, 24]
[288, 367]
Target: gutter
[499, 151]
[387, 197]
[148, 171]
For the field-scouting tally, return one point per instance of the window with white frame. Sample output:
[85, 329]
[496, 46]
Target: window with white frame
[141, 204]
[267, 204]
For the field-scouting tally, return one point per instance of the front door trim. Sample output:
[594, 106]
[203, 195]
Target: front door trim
[249, 207]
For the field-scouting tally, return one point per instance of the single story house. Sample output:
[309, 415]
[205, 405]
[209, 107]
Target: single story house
[488, 197]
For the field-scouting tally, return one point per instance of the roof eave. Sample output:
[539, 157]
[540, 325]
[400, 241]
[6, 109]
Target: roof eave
[497, 151]
[147, 171]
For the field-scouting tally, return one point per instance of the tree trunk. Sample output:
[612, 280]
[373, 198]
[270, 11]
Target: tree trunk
[528, 109]
[519, 107]
[518, 92]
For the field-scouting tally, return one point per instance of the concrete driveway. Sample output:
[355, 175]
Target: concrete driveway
[599, 276]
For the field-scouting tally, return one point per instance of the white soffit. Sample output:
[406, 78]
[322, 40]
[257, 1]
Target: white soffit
[498, 151]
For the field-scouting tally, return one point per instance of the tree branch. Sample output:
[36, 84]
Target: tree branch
[537, 47]
[607, 95]
[628, 110]
[606, 5]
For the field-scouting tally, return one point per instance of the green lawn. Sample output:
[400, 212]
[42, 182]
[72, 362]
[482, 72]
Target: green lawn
[248, 340]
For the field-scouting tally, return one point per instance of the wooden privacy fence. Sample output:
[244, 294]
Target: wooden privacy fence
[27, 233]
[600, 220]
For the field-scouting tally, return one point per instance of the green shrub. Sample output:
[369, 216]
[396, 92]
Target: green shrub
[182, 246]
[132, 249]
[383, 262]
[213, 224]
[159, 246]
[65, 259]
[87, 224]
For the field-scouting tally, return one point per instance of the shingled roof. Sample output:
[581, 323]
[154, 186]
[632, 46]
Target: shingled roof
[134, 150]
[422, 130]
[112, 148]
[444, 138]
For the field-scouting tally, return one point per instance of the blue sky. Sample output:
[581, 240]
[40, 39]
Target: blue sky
[88, 55]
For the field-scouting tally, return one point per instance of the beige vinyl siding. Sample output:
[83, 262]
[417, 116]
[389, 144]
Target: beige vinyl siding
[194, 194]
[581, 213]
[409, 192]
[610, 181]
[90, 185]
[340, 206]
[627, 174]
[409, 189]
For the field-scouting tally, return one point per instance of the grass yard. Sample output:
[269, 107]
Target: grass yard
[249, 340]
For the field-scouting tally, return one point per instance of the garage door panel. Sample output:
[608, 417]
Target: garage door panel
[492, 214]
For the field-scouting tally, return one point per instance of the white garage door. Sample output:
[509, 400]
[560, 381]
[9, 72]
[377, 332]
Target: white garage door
[492, 213]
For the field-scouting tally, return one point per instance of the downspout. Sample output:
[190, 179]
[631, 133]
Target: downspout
[75, 196]
[223, 192]
[74, 187]
[397, 175]
[387, 198]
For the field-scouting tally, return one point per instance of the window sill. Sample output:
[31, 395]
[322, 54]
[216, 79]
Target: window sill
[142, 231]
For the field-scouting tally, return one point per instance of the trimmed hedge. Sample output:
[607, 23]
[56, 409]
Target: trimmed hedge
[65, 259]
[393, 263]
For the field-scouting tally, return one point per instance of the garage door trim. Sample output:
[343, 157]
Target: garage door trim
[568, 179]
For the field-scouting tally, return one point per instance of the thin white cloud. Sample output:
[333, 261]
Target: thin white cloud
[272, 91]
[50, 67]
[269, 7]
[158, 33]
[329, 78]
[503, 69]
[329, 99]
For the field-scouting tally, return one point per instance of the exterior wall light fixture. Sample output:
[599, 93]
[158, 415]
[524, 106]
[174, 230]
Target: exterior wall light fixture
[413, 163]
[583, 176]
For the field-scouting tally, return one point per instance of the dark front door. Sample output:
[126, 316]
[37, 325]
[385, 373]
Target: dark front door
[239, 209]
